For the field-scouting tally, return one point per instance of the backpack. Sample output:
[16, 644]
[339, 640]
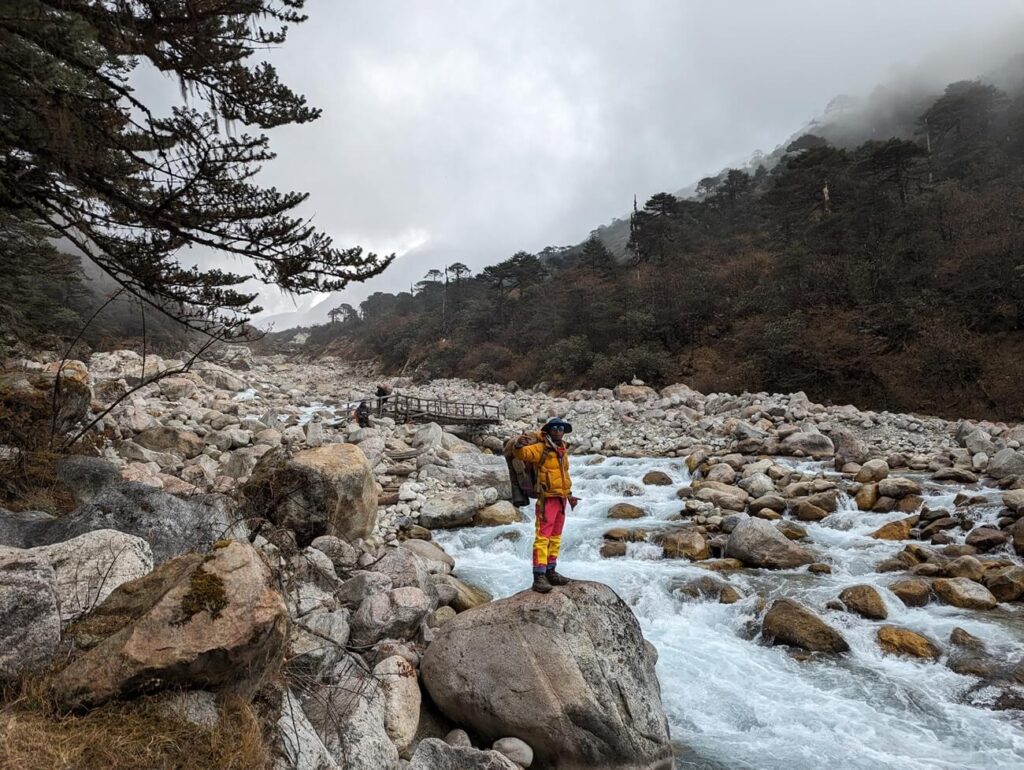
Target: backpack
[522, 475]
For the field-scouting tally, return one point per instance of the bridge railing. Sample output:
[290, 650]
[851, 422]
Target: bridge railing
[414, 407]
[405, 408]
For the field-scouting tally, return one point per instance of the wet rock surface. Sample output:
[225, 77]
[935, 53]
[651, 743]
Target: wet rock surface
[789, 622]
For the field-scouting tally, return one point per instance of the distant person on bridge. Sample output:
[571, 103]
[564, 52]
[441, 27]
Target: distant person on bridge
[362, 414]
[383, 394]
[547, 452]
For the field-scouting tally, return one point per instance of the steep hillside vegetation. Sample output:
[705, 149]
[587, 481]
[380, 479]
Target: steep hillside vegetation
[889, 273]
[48, 302]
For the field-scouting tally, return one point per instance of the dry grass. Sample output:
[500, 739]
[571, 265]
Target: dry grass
[28, 482]
[28, 475]
[124, 736]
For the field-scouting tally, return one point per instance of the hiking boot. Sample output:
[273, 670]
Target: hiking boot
[557, 580]
[540, 583]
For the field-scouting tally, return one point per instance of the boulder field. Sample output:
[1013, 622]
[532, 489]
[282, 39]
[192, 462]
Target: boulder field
[237, 537]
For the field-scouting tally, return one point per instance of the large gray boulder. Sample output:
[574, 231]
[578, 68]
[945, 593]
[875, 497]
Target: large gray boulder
[177, 388]
[1006, 462]
[208, 621]
[24, 529]
[374, 449]
[317, 642]
[298, 741]
[428, 436]
[624, 392]
[89, 567]
[980, 441]
[342, 555]
[450, 510]
[361, 585]
[723, 495]
[476, 470]
[350, 717]
[757, 485]
[327, 490]
[171, 525]
[872, 471]
[465, 595]
[405, 568]
[962, 592]
[516, 750]
[29, 612]
[898, 487]
[849, 448]
[1014, 500]
[815, 445]
[756, 543]
[435, 754]
[219, 377]
[129, 450]
[176, 441]
[395, 614]
[568, 672]
[433, 556]
[402, 699]
[86, 477]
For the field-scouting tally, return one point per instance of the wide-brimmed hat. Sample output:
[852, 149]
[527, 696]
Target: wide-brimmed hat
[556, 422]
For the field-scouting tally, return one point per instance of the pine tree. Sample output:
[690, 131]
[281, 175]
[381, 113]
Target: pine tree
[84, 156]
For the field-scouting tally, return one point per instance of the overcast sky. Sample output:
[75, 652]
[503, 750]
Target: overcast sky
[467, 131]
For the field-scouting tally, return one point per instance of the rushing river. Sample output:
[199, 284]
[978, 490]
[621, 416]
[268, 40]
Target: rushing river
[735, 703]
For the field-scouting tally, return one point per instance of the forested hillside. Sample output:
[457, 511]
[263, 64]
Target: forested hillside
[890, 274]
[47, 301]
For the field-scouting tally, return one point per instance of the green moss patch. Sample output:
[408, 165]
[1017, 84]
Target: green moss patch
[205, 594]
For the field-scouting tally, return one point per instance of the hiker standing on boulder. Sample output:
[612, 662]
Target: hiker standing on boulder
[548, 454]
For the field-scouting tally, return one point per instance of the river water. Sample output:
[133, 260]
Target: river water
[735, 703]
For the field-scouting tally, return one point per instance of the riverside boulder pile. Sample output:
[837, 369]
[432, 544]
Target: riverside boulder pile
[350, 595]
[210, 435]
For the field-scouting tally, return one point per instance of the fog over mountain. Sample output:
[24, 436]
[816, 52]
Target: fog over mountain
[466, 132]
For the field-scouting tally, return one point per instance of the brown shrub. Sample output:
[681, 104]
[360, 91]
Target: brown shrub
[28, 482]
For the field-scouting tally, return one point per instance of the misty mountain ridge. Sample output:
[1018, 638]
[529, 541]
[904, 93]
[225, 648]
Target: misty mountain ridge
[874, 259]
[890, 110]
[845, 121]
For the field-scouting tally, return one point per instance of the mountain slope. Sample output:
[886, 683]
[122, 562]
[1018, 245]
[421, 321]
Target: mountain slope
[886, 272]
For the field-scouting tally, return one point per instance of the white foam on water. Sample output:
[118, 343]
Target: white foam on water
[733, 702]
[245, 395]
[306, 413]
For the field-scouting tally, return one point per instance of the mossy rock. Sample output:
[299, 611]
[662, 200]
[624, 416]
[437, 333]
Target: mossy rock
[130, 601]
[210, 621]
[206, 594]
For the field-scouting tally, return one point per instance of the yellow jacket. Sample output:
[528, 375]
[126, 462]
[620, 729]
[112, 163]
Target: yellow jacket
[553, 475]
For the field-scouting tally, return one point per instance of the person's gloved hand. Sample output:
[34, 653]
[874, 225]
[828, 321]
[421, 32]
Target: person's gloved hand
[523, 440]
[573, 500]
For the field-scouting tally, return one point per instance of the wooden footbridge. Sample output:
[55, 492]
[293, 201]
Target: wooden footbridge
[403, 408]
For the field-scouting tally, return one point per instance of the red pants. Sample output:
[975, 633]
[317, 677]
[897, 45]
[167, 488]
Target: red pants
[550, 518]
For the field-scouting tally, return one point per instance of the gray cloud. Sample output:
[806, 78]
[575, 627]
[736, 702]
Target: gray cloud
[470, 130]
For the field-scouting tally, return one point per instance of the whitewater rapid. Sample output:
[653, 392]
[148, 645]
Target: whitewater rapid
[735, 703]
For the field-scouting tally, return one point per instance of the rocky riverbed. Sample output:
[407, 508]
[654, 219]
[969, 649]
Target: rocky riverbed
[800, 569]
